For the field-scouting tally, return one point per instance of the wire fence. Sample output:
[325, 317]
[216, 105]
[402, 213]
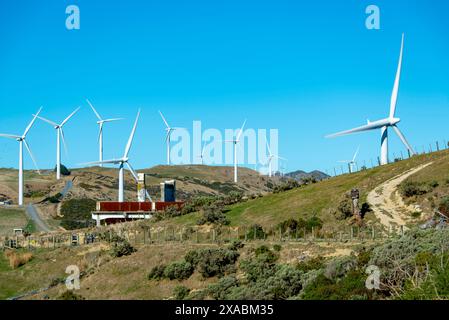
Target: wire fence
[361, 165]
[148, 236]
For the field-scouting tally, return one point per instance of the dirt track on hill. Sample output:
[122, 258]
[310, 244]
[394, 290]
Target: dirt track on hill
[387, 203]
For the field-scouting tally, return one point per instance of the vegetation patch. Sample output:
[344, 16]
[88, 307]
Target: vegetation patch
[77, 213]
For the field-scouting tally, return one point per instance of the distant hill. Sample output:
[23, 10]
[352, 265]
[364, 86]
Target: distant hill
[302, 175]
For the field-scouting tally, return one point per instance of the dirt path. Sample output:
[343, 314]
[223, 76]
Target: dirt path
[387, 203]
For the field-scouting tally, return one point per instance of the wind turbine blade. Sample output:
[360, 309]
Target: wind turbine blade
[10, 136]
[168, 135]
[63, 142]
[366, 127]
[355, 154]
[281, 158]
[31, 123]
[100, 132]
[133, 172]
[268, 147]
[31, 156]
[404, 141]
[202, 149]
[394, 94]
[113, 119]
[131, 137]
[68, 118]
[112, 161]
[95, 111]
[241, 131]
[344, 161]
[46, 120]
[165, 121]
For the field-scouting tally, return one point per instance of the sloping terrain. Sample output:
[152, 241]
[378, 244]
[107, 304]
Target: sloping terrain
[322, 199]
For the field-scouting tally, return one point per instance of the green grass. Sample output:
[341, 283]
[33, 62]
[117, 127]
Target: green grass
[320, 199]
[10, 219]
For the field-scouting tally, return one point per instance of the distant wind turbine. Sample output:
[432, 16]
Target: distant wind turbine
[271, 156]
[201, 155]
[59, 136]
[101, 123]
[122, 162]
[384, 124]
[169, 131]
[235, 141]
[22, 141]
[351, 163]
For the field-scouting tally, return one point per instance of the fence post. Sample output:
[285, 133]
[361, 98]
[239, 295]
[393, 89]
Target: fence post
[213, 235]
[313, 233]
[352, 233]
[280, 234]
[373, 234]
[246, 234]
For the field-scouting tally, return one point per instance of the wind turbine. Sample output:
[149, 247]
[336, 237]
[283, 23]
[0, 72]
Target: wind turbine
[235, 141]
[351, 163]
[101, 123]
[167, 138]
[384, 124]
[271, 156]
[22, 141]
[122, 162]
[59, 136]
[201, 155]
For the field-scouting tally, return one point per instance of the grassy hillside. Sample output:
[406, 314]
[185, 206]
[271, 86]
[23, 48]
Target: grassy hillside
[320, 199]
[11, 219]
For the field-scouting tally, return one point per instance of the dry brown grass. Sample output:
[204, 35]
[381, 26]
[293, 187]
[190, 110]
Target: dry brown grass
[17, 259]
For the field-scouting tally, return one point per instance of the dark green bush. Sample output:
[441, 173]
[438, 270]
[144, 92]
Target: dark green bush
[70, 295]
[413, 188]
[77, 213]
[157, 272]
[121, 248]
[64, 170]
[255, 232]
[179, 270]
[213, 214]
[181, 292]
[212, 262]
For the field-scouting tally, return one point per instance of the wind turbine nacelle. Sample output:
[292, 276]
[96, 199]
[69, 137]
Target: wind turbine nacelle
[394, 121]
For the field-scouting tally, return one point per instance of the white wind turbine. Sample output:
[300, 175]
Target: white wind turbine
[384, 124]
[167, 138]
[235, 142]
[22, 141]
[59, 136]
[101, 123]
[121, 162]
[201, 155]
[271, 156]
[351, 163]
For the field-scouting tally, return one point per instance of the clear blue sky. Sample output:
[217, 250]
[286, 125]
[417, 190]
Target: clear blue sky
[307, 68]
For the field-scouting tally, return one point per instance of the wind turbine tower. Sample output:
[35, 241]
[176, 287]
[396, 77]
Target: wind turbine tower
[101, 123]
[59, 136]
[235, 141]
[22, 141]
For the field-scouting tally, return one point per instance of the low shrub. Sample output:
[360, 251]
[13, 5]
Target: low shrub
[157, 272]
[179, 270]
[212, 262]
[180, 292]
[414, 188]
[255, 232]
[213, 214]
[70, 295]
